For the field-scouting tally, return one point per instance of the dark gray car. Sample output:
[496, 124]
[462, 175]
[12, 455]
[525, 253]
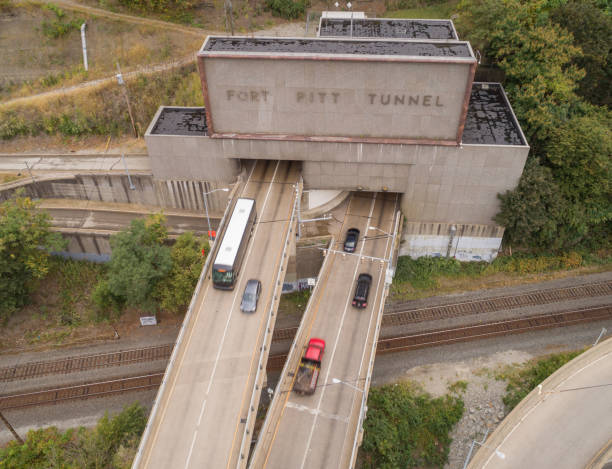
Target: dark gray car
[250, 296]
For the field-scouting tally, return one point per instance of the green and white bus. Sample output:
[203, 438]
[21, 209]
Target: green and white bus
[233, 246]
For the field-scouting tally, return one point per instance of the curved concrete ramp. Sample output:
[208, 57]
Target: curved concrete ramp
[565, 425]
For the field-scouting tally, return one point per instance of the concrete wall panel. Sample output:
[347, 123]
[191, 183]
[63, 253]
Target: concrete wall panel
[336, 98]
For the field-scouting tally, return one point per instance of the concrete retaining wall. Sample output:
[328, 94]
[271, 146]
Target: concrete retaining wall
[178, 194]
[463, 242]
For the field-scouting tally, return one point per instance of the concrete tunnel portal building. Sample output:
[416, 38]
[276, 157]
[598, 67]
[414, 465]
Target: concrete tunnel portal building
[393, 108]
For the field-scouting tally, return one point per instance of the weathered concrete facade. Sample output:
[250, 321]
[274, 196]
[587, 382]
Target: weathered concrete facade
[395, 115]
[337, 99]
[185, 194]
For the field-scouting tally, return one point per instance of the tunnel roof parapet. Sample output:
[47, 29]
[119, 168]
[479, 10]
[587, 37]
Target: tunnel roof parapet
[388, 28]
[490, 119]
[221, 45]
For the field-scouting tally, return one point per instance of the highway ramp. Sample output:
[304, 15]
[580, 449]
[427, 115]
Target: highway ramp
[323, 430]
[201, 416]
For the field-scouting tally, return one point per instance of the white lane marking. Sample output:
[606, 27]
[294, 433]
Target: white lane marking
[311, 411]
[191, 447]
[236, 293]
[537, 404]
[373, 315]
[181, 359]
[250, 174]
[331, 360]
[201, 412]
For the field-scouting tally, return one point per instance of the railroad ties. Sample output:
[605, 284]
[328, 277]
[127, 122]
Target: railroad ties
[397, 317]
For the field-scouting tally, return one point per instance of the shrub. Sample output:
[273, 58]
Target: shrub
[159, 6]
[139, 260]
[406, 427]
[58, 28]
[108, 445]
[25, 244]
[176, 289]
[522, 382]
[288, 9]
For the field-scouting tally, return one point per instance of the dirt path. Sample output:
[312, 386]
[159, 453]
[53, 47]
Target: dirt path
[67, 4]
[282, 30]
[147, 70]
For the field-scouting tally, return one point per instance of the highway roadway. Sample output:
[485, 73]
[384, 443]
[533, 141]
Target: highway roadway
[564, 426]
[320, 430]
[102, 216]
[201, 415]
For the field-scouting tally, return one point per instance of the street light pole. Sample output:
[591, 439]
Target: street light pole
[338, 381]
[204, 194]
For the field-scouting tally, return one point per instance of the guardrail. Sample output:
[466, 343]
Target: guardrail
[186, 324]
[364, 395]
[291, 360]
[252, 412]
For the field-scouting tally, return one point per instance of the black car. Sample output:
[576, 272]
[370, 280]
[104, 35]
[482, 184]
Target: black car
[360, 300]
[350, 243]
[250, 296]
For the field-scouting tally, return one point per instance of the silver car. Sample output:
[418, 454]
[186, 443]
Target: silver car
[250, 296]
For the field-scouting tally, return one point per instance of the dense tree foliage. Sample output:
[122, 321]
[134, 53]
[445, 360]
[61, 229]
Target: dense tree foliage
[139, 260]
[111, 444]
[176, 290]
[535, 213]
[406, 427]
[591, 26]
[25, 243]
[549, 51]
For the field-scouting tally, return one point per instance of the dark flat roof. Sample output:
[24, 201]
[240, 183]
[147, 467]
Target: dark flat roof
[371, 27]
[490, 119]
[181, 121]
[336, 46]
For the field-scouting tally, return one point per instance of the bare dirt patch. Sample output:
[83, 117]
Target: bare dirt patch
[33, 61]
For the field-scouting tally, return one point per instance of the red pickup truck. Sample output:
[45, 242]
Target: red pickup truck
[310, 367]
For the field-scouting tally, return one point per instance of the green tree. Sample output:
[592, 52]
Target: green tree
[579, 153]
[591, 26]
[97, 448]
[111, 444]
[25, 244]
[535, 55]
[42, 449]
[534, 213]
[139, 260]
[176, 289]
[406, 427]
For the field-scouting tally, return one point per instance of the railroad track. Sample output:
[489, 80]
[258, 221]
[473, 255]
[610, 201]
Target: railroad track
[492, 329]
[85, 362]
[276, 362]
[397, 317]
[81, 391]
[401, 315]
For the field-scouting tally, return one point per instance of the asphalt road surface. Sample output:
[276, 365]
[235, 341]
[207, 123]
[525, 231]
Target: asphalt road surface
[206, 401]
[319, 430]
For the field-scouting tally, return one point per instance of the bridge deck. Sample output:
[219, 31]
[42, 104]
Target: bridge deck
[320, 430]
[201, 416]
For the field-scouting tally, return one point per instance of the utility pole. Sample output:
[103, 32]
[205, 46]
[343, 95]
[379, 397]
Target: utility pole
[229, 15]
[127, 97]
[10, 427]
[84, 43]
